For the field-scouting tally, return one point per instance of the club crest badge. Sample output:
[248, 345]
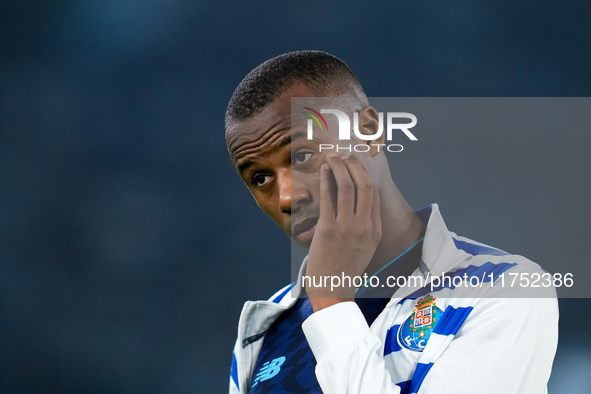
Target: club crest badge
[414, 333]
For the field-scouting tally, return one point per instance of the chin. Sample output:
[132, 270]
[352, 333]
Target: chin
[303, 243]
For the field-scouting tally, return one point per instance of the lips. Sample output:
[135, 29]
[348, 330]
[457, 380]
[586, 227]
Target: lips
[305, 228]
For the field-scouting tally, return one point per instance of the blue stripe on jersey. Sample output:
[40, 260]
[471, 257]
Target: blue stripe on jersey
[404, 386]
[476, 250]
[419, 375]
[391, 344]
[234, 370]
[482, 273]
[452, 320]
[280, 296]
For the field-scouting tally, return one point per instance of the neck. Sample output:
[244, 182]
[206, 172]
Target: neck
[401, 228]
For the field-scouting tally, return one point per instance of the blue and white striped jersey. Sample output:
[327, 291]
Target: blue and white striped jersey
[439, 339]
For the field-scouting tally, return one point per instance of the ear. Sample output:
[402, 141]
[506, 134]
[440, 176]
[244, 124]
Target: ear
[369, 124]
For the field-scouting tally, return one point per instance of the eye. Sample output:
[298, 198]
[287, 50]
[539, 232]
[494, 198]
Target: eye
[260, 179]
[300, 158]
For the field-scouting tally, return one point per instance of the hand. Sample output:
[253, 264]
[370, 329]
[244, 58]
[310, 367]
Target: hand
[347, 234]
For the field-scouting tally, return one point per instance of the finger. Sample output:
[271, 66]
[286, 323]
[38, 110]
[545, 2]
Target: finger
[327, 197]
[376, 219]
[345, 186]
[363, 185]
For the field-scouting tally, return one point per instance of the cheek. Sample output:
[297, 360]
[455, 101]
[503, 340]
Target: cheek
[312, 184]
[270, 207]
[266, 206]
[312, 179]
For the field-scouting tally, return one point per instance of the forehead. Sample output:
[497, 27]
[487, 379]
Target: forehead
[271, 124]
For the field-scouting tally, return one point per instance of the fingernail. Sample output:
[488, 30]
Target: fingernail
[332, 155]
[325, 167]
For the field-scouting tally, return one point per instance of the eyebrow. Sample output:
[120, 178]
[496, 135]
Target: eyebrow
[284, 142]
[244, 166]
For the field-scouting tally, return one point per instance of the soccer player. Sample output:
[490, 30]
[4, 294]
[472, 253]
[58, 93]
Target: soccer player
[345, 208]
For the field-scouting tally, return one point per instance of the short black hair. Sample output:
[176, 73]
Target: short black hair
[324, 73]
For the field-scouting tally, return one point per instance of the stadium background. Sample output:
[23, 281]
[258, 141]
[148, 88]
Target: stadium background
[127, 241]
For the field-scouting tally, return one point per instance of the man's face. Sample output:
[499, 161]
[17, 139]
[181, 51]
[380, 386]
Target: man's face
[281, 166]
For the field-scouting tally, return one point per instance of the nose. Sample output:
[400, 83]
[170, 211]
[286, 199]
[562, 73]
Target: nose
[292, 194]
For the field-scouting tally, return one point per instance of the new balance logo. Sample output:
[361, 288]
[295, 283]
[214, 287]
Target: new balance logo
[269, 370]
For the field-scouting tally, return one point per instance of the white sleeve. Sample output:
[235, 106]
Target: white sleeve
[346, 352]
[504, 346]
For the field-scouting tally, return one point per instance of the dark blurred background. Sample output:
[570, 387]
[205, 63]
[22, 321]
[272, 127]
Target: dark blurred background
[127, 241]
